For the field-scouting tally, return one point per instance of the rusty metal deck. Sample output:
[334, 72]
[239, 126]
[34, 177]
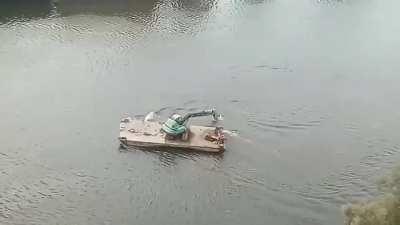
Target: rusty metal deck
[147, 134]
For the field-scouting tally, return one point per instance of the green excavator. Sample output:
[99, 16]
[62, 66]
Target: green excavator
[174, 133]
[175, 126]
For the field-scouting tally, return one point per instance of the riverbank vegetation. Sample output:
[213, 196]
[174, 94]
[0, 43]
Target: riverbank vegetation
[385, 210]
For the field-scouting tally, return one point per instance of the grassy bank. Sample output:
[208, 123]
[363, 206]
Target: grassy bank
[384, 210]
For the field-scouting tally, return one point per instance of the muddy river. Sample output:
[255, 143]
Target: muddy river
[310, 90]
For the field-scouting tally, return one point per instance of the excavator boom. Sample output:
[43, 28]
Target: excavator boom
[208, 112]
[176, 124]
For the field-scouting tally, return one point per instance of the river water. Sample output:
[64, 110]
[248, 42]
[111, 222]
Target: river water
[310, 89]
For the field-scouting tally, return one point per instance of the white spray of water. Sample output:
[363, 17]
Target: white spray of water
[235, 134]
[151, 116]
[231, 133]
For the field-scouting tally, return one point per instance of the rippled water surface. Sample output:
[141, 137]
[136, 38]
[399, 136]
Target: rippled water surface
[311, 88]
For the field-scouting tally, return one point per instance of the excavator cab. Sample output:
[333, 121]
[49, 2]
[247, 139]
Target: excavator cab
[175, 126]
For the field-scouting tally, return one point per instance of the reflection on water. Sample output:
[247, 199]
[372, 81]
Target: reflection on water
[105, 7]
[170, 157]
[21, 10]
[183, 16]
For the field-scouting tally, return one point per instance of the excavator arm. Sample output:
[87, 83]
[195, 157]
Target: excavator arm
[208, 112]
[176, 124]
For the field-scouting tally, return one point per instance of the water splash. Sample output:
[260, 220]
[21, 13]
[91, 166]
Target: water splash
[151, 116]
